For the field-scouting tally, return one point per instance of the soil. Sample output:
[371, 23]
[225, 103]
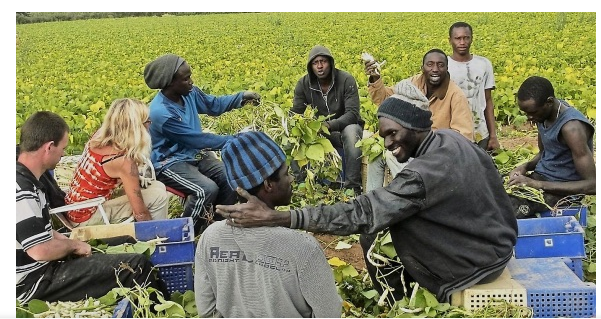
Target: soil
[354, 255]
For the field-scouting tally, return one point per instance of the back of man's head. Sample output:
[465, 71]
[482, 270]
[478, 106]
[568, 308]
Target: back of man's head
[250, 158]
[40, 128]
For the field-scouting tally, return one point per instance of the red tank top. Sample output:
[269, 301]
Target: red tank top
[89, 181]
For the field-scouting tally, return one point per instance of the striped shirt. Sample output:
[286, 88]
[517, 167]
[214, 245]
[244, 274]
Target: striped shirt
[33, 228]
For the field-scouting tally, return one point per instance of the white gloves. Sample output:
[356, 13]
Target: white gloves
[146, 173]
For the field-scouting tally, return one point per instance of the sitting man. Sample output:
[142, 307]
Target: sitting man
[50, 266]
[181, 152]
[433, 87]
[450, 219]
[333, 92]
[565, 164]
[261, 272]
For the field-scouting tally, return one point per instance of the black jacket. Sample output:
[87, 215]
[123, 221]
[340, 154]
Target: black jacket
[342, 99]
[450, 218]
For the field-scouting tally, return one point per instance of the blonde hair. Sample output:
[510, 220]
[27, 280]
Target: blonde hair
[123, 129]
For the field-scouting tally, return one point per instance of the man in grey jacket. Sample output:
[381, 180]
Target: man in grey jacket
[262, 272]
[333, 92]
[450, 219]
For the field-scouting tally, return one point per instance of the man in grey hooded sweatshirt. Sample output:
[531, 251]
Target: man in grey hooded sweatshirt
[333, 91]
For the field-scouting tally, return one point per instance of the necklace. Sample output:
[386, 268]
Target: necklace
[556, 116]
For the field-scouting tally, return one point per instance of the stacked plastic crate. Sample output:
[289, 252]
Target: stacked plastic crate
[548, 263]
[174, 257]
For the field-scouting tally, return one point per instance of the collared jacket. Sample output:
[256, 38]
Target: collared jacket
[341, 99]
[448, 104]
[450, 219]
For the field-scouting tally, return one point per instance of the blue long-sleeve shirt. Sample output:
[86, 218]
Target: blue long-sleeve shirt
[176, 130]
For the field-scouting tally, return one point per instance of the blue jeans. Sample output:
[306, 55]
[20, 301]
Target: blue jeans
[205, 185]
[346, 140]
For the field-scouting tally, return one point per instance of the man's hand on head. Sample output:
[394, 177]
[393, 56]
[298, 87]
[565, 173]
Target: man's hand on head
[253, 213]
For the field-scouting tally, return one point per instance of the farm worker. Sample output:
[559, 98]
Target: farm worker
[564, 168]
[261, 272]
[50, 266]
[449, 229]
[112, 157]
[474, 75]
[447, 102]
[333, 92]
[181, 152]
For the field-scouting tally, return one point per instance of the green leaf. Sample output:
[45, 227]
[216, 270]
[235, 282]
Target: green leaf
[327, 145]
[592, 267]
[349, 270]
[109, 299]
[370, 294]
[37, 306]
[431, 300]
[315, 125]
[315, 152]
[502, 158]
[388, 250]
[173, 309]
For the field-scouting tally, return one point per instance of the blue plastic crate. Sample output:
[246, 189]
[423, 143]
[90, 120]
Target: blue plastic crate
[575, 264]
[173, 253]
[560, 236]
[177, 277]
[175, 229]
[123, 309]
[579, 212]
[552, 289]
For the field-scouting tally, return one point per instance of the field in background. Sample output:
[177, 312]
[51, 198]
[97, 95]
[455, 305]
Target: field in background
[76, 68]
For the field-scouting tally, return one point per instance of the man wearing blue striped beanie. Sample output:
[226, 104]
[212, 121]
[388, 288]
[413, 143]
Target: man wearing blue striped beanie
[264, 271]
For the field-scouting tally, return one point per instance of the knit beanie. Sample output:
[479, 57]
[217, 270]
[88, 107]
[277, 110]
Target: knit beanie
[250, 158]
[406, 114]
[159, 73]
[408, 92]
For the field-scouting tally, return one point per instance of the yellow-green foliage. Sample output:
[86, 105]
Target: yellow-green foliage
[76, 68]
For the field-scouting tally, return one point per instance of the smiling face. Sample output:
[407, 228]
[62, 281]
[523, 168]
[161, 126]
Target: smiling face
[182, 80]
[435, 68]
[400, 141]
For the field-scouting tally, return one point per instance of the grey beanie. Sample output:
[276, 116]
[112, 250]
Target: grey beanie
[159, 73]
[408, 92]
[406, 114]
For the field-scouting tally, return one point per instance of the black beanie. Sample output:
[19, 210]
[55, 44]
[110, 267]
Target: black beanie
[406, 114]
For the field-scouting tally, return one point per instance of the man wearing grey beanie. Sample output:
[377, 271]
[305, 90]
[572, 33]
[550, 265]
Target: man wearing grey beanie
[450, 219]
[181, 152]
[446, 101]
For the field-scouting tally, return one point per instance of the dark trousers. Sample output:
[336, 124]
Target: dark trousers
[346, 139]
[77, 278]
[205, 185]
[524, 208]
[393, 277]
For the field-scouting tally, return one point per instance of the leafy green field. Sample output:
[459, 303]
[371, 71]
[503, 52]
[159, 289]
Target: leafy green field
[77, 68]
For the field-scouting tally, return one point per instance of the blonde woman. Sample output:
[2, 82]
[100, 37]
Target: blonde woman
[112, 157]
